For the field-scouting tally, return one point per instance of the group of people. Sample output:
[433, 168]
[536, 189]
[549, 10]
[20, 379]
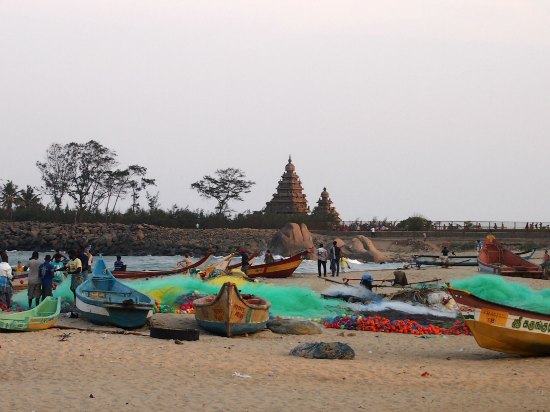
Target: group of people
[333, 255]
[42, 274]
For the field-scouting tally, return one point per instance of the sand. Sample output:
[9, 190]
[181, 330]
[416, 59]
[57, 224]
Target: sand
[96, 370]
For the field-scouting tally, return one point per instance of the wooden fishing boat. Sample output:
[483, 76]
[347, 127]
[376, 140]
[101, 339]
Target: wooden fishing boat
[459, 260]
[503, 328]
[138, 274]
[279, 269]
[103, 299]
[496, 259]
[43, 316]
[229, 313]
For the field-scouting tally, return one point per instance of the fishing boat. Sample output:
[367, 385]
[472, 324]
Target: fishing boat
[229, 313]
[459, 260]
[43, 316]
[279, 269]
[238, 265]
[496, 259]
[503, 328]
[103, 299]
[139, 274]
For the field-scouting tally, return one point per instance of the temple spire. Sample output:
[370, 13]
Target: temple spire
[289, 198]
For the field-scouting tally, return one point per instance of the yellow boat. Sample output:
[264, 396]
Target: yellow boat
[503, 328]
[229, 313]
[43, 316]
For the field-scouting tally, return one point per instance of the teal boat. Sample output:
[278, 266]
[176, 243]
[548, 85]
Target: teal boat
[103, 299]
[43, 316]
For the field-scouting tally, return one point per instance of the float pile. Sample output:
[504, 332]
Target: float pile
[385, 325]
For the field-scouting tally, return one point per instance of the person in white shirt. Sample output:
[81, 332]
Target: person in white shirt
[322, 256]
[6, 289]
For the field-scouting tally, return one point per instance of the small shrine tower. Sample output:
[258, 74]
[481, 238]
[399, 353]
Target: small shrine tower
[289, 198]
[324, 206]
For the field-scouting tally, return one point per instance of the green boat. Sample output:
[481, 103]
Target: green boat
[43, 316]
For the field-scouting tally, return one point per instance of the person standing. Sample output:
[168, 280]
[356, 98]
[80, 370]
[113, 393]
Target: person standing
[85, 260]
[6, 289]
[74, 268]
[322, 256]
[35, 286]
[545, 259]
[479, 246]
[47, 272]
[244, 261]
[268, 257]
[445, 257]
[373, 231]
[58, 265]
[334, 254]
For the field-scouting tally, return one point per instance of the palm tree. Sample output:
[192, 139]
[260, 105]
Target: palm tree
[28, 198]
[8, 196]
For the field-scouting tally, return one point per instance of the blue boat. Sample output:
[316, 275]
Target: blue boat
[103, 299]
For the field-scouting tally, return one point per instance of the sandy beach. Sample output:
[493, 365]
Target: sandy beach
[100, 370]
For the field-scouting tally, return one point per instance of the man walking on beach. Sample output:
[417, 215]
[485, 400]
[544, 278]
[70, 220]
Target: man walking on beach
[334, 259]
[322, 256]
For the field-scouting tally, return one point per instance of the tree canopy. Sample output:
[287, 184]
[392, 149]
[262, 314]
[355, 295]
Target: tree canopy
[227, 184]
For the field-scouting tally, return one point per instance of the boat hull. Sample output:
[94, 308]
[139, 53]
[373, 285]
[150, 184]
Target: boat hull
[229, 313]
[503, 328]
[496, 259]
[280, 269]
[137, 274]
[44, 316]
[103, 299]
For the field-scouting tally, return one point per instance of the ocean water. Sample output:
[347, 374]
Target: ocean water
[170, 262]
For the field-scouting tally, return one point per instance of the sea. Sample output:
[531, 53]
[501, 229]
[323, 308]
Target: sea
[170, 262]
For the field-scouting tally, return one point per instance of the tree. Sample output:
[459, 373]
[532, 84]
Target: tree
[228, 185]
[55, 173]
[28, 198]
[416, 222]
[8, 197]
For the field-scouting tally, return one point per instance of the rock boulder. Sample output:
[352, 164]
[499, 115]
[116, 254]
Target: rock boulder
[294, 327]
[322, 350]
[291, 239]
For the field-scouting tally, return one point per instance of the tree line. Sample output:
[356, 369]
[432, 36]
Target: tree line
[83, 182]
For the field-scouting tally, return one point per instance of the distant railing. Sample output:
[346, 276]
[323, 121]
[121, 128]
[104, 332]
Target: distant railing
[447, 225]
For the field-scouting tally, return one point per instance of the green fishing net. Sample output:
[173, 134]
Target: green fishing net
[286, 301]
[495, 289]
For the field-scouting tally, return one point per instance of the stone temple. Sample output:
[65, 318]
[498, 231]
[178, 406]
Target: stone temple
[324, 206]
[289, 198]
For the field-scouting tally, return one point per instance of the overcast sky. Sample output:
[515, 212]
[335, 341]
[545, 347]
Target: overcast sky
[434, 107]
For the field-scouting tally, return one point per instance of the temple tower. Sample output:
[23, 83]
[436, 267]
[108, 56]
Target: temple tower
[289, 198]
[324, 206]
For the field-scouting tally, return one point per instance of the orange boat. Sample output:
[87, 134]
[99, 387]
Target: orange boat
[137, 274]
[280, 269]
[496, 259]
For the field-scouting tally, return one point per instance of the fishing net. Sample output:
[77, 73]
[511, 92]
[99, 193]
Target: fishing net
[496, 289]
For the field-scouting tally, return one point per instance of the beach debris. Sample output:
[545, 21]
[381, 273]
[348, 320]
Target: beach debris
[240, 375]
[294, 327]
[92, 395]
[425, 374]
[64, 337]
[322, 350]
[382, 324]
[178, 342]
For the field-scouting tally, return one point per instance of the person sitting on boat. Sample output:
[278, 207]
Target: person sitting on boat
[20, 268]
[46, 272]
[6, 289]
[366, 281]
[268, 257]
[119, 264]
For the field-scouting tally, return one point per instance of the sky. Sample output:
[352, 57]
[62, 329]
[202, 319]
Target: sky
[398, 107]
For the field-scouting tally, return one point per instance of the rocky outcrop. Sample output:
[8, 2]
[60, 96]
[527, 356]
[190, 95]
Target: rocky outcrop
[365, 247]
[142, 239]
[322, 350]
[291, 239]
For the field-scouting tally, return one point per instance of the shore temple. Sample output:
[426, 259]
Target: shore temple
[290, 199]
